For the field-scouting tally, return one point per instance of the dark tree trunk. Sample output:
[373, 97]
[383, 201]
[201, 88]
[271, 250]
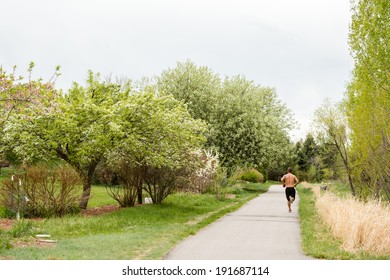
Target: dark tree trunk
[86, 177]
[141, 172]
[139, 193]
[85, 195]
[344, 156]
[87, 183]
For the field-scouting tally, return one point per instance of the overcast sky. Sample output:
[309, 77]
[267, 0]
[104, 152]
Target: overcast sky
[299, 47]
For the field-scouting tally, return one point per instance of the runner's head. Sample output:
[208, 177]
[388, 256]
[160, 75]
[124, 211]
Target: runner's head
[289, 170]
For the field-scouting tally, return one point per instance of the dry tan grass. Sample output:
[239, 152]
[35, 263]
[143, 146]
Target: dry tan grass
[361, 226]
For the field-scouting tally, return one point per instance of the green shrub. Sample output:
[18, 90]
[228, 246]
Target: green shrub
[161, 182]
[235, 175]
[21, 229]
[253, 176]
[7, 213]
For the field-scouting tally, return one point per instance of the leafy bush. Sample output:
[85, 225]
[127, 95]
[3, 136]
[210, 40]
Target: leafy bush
[130, 178]
[42, 192]
[253, 176]
[163, 181]
[6, 213]
[249, 175]
[195, 174]
[235, 175]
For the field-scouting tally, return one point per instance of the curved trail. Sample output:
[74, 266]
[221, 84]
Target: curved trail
[261, 229]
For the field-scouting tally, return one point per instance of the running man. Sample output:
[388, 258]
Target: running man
[290, 181]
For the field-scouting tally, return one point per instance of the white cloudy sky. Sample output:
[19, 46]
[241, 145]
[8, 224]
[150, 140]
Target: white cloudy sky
[299, 47]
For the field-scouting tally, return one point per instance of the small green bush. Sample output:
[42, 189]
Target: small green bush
[21, 229]
[253, 176]
[7, 213]
[235, 175]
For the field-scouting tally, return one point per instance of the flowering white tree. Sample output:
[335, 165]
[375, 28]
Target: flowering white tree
[16, 95]
[20, 97]
[247, 123]
[204, 175]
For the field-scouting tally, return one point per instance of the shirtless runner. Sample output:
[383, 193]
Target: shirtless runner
[290, 181]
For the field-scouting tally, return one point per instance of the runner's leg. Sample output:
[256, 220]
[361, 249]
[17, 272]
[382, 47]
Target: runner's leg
[288, 198]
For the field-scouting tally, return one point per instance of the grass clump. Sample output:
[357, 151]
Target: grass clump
[22, 228]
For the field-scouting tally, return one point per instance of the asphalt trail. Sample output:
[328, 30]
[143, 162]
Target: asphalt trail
[262, 229]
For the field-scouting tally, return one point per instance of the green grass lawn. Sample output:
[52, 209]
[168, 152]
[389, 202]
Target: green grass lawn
[142, 232]
[317, 240]
[99, 197]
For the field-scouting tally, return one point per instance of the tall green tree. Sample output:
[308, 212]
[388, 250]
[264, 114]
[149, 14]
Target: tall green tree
[80, 131]
[307, 153]
[248, 125]
[158, 139]
[331, 123]
[308, 161]
[196, 86]
[368, 95]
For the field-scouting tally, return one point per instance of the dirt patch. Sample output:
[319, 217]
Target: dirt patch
[6, 224]
[96, 211]
[32, 242]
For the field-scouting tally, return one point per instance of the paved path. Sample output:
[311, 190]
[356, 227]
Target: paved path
[261, 229]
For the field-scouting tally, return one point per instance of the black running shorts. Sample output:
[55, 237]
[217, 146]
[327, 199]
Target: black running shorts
[290, 192]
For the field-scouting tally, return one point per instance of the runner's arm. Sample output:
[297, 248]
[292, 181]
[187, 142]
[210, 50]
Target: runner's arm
[296, 181]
